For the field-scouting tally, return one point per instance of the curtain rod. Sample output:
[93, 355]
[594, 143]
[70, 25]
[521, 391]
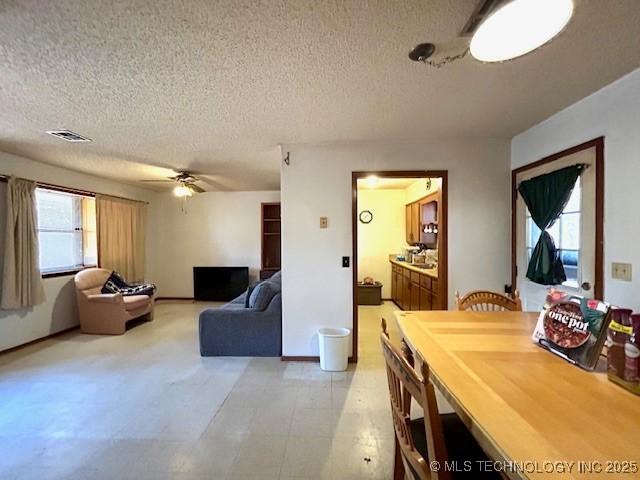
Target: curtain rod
[4, 178]
[583, 166]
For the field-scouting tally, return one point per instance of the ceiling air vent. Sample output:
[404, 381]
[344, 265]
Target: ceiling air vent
[68, 136]
[482, 11]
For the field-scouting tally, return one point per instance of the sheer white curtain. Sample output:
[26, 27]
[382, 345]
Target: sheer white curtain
[21, 278]
[121, 236]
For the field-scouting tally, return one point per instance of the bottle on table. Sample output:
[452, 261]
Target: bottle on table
[617, 338]
[632, 352]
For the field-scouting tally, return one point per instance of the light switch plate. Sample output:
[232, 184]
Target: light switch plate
[621, 271]
[324, 222]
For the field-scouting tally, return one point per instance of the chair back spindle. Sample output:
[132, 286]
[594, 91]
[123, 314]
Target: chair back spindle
[486, 301]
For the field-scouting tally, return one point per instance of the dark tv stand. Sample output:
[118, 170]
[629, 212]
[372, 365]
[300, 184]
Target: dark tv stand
[219, 284]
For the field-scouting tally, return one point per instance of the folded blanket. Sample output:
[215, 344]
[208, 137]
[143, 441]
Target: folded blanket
[116, 284]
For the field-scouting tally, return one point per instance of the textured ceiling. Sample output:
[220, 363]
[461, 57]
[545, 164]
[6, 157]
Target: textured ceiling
[215, 86]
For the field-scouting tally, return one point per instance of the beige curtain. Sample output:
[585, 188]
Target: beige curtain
[121, 236]
[21, 278]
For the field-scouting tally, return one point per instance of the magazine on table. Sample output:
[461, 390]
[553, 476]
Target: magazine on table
[573, 327]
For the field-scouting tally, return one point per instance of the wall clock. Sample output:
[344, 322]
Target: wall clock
[366, 216]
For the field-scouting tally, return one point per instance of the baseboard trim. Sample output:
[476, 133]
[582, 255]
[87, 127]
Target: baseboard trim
[286, 358]
[38, 340]
[176, 298]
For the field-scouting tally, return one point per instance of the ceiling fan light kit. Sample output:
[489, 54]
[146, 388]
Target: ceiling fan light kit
[505, 30]
[182, 190]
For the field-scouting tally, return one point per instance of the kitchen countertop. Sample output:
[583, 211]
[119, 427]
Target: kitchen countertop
[432, 272]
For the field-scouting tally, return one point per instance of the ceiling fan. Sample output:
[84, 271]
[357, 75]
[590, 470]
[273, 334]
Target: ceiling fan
[185, 183]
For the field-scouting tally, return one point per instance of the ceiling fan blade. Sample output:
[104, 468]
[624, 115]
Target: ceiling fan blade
[208, 181]
[157, 181]
[196, 188]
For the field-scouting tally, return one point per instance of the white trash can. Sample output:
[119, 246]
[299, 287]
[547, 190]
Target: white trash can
[334, 349]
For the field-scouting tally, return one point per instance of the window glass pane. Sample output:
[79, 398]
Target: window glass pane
[569, 257]
[570, 234]
[59, 250]
[533, 233]
[55, 210]
[574, 201]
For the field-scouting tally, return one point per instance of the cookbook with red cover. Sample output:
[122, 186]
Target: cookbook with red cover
[573, 327]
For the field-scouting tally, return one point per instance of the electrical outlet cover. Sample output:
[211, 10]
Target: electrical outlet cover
[324, 222]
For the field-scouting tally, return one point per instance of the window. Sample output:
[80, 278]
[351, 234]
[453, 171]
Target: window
[566, 235]
[66, 231]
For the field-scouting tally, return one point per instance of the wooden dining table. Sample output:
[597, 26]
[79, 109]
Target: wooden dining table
[534, 414]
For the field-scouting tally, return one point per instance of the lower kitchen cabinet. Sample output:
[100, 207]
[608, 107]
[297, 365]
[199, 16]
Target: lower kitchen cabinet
[411, 290]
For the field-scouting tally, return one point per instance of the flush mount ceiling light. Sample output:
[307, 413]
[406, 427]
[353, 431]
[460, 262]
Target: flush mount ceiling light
[519, 27]
[372, 181]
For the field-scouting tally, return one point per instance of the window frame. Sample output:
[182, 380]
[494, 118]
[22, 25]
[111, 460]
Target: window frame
[71, 270]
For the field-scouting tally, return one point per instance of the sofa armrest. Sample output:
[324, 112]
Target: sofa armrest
[108, 298]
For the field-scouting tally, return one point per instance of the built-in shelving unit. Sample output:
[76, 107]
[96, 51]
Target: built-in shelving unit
[271, 231]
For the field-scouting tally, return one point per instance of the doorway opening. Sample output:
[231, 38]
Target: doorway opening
[399, 232]
[577, 232]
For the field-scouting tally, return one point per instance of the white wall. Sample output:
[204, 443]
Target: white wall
[383, 236]
[218, 229]
[613, 112]
[59, 310]
[317, 290]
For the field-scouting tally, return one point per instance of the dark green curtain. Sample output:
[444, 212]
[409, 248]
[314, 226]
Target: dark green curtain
[545, 197]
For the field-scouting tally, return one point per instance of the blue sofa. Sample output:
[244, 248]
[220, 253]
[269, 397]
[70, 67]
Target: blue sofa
[249, 326]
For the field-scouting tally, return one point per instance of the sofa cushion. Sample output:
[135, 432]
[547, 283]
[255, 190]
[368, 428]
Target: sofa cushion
[262, 294]
[248, 293]
[276, 277]
[136, 302]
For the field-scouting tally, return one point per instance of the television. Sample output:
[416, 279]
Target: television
[219, 283]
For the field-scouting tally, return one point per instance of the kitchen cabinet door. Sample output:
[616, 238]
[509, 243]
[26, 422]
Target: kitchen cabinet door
[415, 296]
[425, 299]
[415, 222]
[407, 219]
[393, 284]
[406, 293]
[435, 302]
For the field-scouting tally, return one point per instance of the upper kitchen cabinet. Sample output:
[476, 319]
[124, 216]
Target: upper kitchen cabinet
[422, 221]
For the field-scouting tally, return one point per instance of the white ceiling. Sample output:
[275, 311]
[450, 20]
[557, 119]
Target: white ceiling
[215, 86]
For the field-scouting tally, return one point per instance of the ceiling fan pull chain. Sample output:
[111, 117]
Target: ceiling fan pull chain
[444, 60]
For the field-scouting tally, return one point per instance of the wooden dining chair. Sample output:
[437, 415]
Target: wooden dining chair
[486, 301]
[435, 437]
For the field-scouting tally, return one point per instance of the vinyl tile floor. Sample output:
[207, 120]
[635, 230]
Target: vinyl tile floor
[145, 405]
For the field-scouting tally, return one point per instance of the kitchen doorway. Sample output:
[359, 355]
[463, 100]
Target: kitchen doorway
[421, 214]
